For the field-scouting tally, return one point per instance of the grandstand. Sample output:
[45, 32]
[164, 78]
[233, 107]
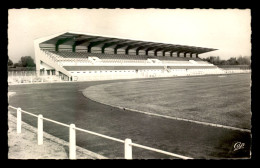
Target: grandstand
[79, 56]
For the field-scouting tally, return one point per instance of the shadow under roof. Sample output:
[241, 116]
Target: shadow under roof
[75, 38]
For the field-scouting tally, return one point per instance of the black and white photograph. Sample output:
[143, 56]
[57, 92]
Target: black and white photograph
[129, 84]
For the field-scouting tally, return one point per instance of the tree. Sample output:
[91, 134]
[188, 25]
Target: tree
[27, 61]
[213, 60]
[232, 61]
[10, 62]
[243, 60]
[223, 62]
[17, 65]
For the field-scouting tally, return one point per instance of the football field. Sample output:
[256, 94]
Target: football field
[223, 100]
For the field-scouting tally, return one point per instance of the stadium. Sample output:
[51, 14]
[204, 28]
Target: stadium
[79, 57]
[160, 95]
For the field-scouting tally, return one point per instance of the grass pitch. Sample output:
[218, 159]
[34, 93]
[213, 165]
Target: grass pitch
[224, 100]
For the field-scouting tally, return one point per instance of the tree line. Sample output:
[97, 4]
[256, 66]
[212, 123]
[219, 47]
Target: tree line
[25, 63]
[231, 61]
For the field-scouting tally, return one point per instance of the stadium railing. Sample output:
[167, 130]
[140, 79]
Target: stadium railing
[128, 144]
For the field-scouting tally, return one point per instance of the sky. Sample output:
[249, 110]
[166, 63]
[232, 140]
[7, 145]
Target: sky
[228, 30]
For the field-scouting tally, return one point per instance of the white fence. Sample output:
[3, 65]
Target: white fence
[72, 137]
[30, 77]
[19, 77]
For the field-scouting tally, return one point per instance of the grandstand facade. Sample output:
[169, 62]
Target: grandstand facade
[79, 56]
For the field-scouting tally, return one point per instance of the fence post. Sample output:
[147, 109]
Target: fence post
[19, 120]
[40, 129]
[128, 149]
[72, 141]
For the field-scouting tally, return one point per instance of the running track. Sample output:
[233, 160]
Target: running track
[64, 102]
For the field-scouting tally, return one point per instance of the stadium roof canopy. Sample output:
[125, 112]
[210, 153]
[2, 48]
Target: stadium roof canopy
[91, 40]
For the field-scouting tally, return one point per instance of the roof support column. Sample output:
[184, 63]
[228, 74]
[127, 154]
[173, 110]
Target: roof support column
[73, 47]
[171, 53]
[149, 49]
[185, 54]
[96, 43]
[163, 53]
[89, 49]
[106, 45]
[120, 46]
[79, 42]
[61, 41]
[141, 48]
[178, 54]
[127, 50]
[156, 51]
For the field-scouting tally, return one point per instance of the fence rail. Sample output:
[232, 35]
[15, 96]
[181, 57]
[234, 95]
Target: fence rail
[128, 144]
[30, 77]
